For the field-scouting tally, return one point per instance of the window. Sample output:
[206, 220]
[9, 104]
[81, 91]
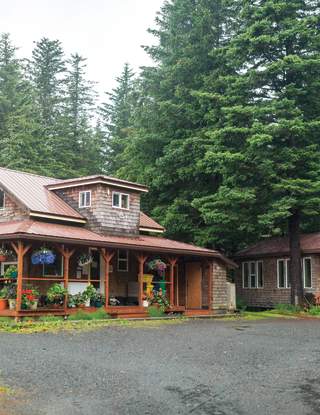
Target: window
[307, 273]
[120, 200]
[123, 260]
[55, 269]
[252, 274]
[85, 199]
[283, 273]
[1, 199]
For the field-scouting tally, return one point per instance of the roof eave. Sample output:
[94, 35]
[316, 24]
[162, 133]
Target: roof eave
[109, 182]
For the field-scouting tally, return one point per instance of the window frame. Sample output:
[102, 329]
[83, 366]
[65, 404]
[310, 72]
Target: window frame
[85, 205]
[304, 272]
[4, 200]
[286, 269]
[255, 274]
[123, 260]
[120, 194]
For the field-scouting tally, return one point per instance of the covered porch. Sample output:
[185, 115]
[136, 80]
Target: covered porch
[119, 272]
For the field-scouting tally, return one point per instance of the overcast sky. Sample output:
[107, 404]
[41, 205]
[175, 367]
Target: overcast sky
[107, 32]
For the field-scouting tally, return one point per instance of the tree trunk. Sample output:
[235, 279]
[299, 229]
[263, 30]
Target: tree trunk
[295, 259]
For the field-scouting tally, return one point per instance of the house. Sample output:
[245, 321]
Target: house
[100, 216]
[263, 278]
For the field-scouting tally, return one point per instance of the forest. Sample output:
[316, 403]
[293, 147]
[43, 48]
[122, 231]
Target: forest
[224, 127]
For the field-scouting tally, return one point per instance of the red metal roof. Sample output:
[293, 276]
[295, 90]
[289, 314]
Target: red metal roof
[149, 223]
[310, 243]
[73, 234]
[30, 190]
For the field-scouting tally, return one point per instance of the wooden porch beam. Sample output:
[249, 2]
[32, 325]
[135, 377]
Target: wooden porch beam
[141, 259]
[107, 257]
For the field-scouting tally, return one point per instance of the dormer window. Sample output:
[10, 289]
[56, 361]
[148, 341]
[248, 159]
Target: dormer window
[85, 199]
[120, 200]
[1, 199]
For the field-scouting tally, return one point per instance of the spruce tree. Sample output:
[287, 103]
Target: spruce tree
[116, 118]
[265, 147]
[166, 140]
[19, 128]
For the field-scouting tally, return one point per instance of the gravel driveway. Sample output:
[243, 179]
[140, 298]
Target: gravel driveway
[197, 367]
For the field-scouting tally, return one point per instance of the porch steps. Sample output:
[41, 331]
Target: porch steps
[127, 311]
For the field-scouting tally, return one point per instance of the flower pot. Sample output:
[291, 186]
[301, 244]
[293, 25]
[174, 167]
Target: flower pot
[14, 274]
[3, 303]
[12, 304]
[3, 258]
[145, 303]
[34, 305]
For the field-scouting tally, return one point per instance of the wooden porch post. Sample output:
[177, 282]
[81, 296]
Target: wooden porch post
[210, 274]
[66, 253]
[20, 251]
[142, 259]
[107, 257]
[172, 262]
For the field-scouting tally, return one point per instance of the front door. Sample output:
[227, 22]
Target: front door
[193, 280]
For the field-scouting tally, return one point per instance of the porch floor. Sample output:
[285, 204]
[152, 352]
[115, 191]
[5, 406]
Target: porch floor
[115, 312]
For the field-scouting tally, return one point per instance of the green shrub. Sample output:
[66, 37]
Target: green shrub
[156, 311]
[314, 310]
[287, 308]
[83, 315]
[241, 304]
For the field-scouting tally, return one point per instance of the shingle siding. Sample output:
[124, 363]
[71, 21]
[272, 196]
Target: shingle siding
[12, 211]
[219, 286]
[270, 295]
[101, 216]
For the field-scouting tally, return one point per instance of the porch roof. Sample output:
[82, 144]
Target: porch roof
[309, 242]
[30, 229]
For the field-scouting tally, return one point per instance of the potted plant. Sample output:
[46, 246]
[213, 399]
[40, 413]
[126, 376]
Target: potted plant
[11, 272]
[56, 294]
[157, 299]
[84, 259]
[30, 298]
[89, 293]
[12, 295]
[79, 300]
[43, 256]
[98, 300]
[3, 298]
[4, 253]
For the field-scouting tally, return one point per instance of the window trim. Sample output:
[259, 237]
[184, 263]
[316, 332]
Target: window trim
[123, 260]
[120, 200]
[4, 199]
[304, 272]
[256, 266]
[80, 195]
[286, 268]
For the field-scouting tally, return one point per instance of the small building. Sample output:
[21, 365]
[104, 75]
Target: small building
[263, 278]
[100, 217]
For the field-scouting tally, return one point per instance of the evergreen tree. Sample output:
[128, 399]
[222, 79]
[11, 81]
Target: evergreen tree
[116, 118]
[166, 140]
[265, 147]
[19, 129]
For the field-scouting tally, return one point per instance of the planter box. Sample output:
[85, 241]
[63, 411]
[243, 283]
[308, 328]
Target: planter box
[3, 304]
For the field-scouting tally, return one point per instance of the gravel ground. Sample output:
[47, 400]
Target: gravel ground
[197, 367]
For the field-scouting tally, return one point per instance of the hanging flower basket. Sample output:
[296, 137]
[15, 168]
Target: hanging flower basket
[43, 256]
[158, 266]
[4, 254]
[84, 259]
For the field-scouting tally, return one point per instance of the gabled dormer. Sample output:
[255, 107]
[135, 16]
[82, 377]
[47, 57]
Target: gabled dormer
[110, 205]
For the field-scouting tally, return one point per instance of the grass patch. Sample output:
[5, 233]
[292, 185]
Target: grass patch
[314, 310]
[156, 311]
[287, 309]
[50, 318]
[260, 315]
[31, 326]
